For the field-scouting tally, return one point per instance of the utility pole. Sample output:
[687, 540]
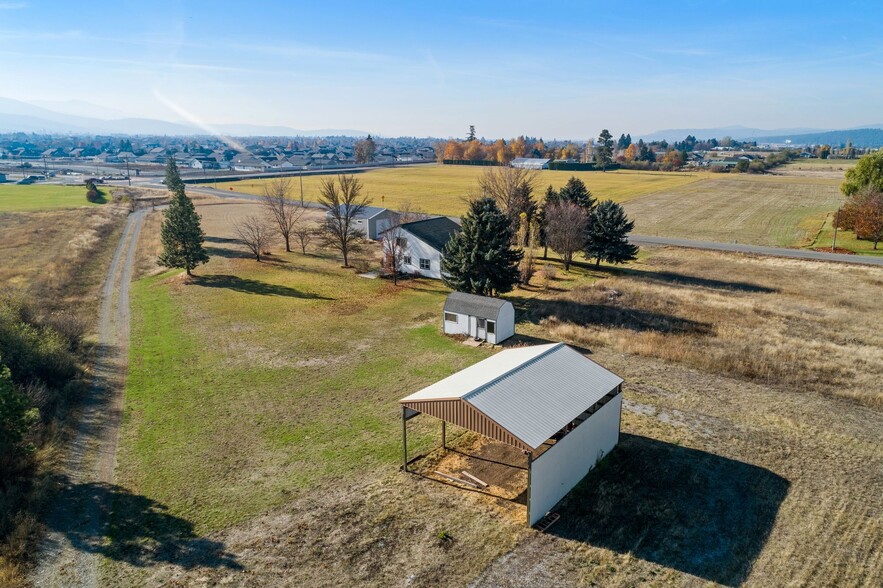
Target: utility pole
[836, 222]
[128, 177]
[301, 188]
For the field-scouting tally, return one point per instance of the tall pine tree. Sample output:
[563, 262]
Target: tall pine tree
[606, 237]
[181, 233]
[480, 259]
[575, 191]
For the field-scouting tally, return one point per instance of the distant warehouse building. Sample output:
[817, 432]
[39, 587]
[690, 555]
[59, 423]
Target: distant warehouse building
[530, 163]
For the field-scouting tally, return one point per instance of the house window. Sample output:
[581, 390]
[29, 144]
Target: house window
[450, 317]
[424, 264]
[491, 327]
[406, 260]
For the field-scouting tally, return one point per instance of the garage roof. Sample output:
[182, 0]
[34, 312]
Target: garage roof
[530, 393]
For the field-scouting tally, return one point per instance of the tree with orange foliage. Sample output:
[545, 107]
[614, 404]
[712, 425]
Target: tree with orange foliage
[454, 150]
[474, 151]
[631, 152]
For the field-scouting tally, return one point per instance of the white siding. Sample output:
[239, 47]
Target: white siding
[505, 322]
[418, 249]
[461, 327]
[559, 469]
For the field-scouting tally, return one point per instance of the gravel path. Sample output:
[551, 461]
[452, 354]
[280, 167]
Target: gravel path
[78, 519]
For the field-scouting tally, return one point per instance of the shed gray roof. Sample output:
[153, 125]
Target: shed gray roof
[473, 305]
[366, 212]
[531, 392]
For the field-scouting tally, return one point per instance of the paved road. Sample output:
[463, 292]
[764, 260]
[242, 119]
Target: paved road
[78, 519]
[758, 250]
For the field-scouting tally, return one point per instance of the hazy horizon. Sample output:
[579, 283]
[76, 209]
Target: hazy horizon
[510, 69]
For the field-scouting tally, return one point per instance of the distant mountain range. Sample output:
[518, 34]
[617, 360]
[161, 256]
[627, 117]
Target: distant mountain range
[18, 116]
[865, 136]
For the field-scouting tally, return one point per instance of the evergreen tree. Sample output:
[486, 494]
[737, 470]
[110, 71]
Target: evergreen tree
[173, 178]
[575, 191]
[471, 135]
[606, 237]
[550, 198]
[181, 233]
[604, 154]
[479, 259]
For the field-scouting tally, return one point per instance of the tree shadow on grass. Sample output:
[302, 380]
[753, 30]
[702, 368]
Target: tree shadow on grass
[245, 285]
[612, 316]
[687, 280]
[140, 531]
[681, 508]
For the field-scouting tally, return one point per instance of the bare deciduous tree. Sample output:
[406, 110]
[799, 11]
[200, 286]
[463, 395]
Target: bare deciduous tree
[283, 212]
[343, 202]
[255, 233]
[409, 212]
[512, 188]
[566, 229]
[304, 234]
[394, 245]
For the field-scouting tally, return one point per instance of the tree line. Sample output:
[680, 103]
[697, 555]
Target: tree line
[506, 223]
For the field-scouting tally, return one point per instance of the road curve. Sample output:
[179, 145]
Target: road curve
[77, 522]
[758, 250]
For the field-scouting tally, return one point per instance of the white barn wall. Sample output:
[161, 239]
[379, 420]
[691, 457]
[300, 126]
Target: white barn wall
[417, 249]
[505, 322]
[461, 327]
[559, 469]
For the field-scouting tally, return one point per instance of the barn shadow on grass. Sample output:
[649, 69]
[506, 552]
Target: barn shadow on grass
[606, 315]
[140, 531]
[248, 286]
[681, 508]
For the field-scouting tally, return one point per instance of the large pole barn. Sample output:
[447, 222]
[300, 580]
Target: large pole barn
[560, 408]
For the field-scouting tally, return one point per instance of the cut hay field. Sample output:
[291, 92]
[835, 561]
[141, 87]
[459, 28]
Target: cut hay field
[441, 189]
[43, 196]
[759, 210]
[261, 439]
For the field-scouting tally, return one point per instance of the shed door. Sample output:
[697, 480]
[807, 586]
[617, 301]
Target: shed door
[481, 329]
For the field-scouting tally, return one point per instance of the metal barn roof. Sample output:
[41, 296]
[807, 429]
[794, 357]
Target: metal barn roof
[474, 305]
[528, 393]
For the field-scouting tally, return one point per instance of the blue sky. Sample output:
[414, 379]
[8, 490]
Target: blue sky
[424, 68]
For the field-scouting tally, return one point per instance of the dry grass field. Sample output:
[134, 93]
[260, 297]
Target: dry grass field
[760, 210]
[441, 189]
[261, 436]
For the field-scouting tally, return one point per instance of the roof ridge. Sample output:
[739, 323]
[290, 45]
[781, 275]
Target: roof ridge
[531, 361]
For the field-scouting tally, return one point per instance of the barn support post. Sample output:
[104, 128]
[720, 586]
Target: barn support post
[444, 435]
[529, 468]
[404, 439]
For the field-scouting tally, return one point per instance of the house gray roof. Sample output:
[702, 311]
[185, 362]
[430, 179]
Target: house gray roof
[531, 392]
[435, 232]
[473, 305]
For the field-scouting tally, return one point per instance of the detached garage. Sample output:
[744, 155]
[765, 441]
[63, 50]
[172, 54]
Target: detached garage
[481, 317]
[561, 409]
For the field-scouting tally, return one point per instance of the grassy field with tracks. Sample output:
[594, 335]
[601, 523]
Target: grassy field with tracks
[262, 426]
[442, 189]
[15, 198]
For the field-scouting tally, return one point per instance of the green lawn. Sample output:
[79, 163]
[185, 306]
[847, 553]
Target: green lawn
[15, 198]
[442, 189]
[258, 381]
[845, 240]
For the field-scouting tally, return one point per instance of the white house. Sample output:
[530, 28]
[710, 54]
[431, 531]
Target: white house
[423, 243]
[481, 317]
[371, 220]
[559, 407]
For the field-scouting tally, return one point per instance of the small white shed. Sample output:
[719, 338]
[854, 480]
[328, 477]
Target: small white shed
[490, 319]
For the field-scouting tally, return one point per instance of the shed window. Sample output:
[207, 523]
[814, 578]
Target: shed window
[424, 264]
[450, 317]
[491, 327]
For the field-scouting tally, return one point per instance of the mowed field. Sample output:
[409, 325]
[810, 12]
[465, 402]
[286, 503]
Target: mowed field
[442, 189]
[261, 440]
[15, 198]
[760, 210]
